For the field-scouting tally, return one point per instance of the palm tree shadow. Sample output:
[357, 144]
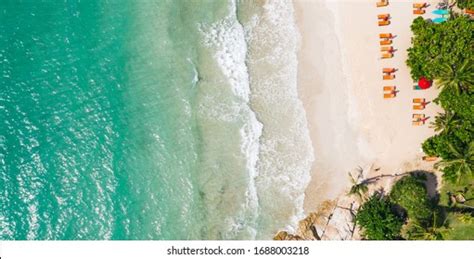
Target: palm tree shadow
[430, 180]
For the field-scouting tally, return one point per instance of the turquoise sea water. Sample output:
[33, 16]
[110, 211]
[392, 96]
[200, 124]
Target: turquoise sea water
[137, 120]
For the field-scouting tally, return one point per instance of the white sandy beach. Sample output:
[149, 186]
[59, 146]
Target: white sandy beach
[340, 83]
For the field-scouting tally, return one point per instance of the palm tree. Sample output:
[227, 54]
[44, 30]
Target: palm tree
[359, 185]
[462, 162]
[435, 231]
[458, 79]
[445, 121]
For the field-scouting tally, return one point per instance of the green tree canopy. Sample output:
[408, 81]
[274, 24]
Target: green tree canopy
[462, 105]
[461, 162]
[468, 4]
[438, 46]
[411, 194]
[378, 219]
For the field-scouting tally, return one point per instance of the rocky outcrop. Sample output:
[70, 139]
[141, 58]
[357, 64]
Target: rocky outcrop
[334, 220]
[283, 235]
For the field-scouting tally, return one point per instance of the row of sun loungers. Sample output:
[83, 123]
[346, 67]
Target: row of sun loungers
[385, 49]
[419, 119]
[419, 104]
[390, 91]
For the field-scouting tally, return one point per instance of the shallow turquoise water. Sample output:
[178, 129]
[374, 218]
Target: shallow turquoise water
[145, 120]
[98, 132]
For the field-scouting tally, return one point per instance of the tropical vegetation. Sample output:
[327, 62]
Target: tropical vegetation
[442, 53]
[359, 185]
[411, 195]
[445, 53]
[408, 212]
[468, 4]
[378, 219]
[436, 230]
[440, 50]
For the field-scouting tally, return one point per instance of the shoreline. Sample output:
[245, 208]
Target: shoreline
[339, 82]
[324, 89]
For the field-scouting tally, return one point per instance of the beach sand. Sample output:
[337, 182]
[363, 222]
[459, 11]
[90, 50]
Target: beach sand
[340, 83]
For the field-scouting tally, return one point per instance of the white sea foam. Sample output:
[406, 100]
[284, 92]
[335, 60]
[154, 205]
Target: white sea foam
[225, 38]
[286, 153]
[257, 58]
[5, 231]
[32, 221]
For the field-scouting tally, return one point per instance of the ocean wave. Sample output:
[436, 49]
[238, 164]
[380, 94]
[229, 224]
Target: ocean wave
[255, 51]
[286, 153]
[225, 41]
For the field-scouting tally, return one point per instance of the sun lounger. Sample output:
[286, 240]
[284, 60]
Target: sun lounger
[387, 48]
[388, 77]
[384, 16]
[389, 88]
[382, 3]
[388, 70]
[419, 11]
[418, 107]
[471, 12]
[418, 100]
[417, 116]
[430, 158]
[390, 95]
[419, 5]
[417, 123]
[385, 35]
[387, 55]
[419, 104]
[384, 23]
[385, 42]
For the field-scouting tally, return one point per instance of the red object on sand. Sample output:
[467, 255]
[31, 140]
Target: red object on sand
[424, 83]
